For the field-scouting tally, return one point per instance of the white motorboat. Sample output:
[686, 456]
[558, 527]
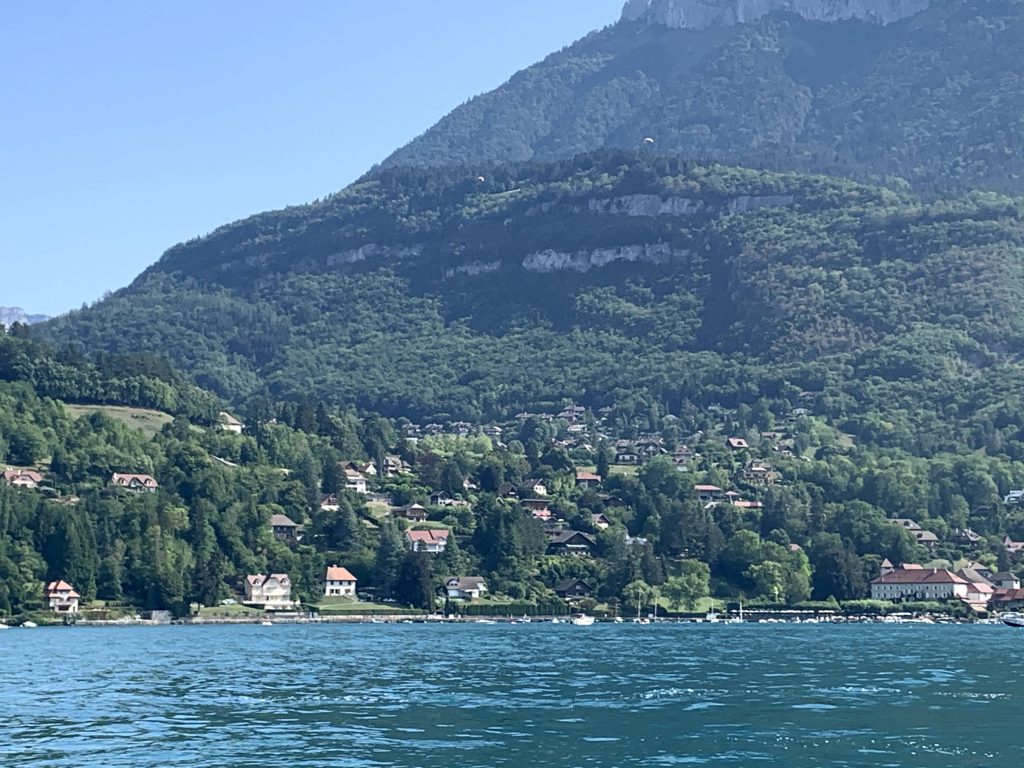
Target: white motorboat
[582, 620]
[1013, 620]
[4, 626]
[29, 625]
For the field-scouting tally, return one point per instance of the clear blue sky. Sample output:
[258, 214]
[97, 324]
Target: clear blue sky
[128, 127]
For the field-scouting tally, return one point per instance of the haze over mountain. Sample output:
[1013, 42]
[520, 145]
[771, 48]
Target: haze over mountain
[449, 283]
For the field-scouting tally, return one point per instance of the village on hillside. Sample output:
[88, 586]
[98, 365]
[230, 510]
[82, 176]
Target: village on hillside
[570, 479]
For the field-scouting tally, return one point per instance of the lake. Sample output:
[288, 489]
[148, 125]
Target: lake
[348, 696]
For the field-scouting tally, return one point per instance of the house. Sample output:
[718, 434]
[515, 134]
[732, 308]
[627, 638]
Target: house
[707, 493]
[1005, 580]
[921, 536]
[758, 473]
[919, 584]
[544, 515]
[465, 587]
[536, 487]
[61, 597]
[1014, 498]
[417, 513]
[571, 543]
[338, 582]
[134, 482]
[534, 505]
[571, 589]
[974, 576]
[1008, 599]
[355, 481]
[1013, 547]
[588, 479]
[273, 591]
[966, 537]
[22, 478]
[229, 423]
[329, 503]
[737, 444]
[285, 529]
[433, 540]
[601, 521]
[394, 466]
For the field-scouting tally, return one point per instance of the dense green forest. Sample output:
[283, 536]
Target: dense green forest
[819, 532]
[933, 101]
[431, 293]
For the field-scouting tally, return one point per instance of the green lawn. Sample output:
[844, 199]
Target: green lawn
[229, 611]
[149, 422]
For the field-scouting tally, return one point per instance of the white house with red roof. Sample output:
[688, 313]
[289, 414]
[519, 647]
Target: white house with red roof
[917, 583]
[136, 483]
[61, 597]
[433, 540]
[22, 478]
[338, 582]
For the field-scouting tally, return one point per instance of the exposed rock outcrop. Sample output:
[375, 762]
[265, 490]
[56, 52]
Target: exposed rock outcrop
[584, 261]
[701, 14]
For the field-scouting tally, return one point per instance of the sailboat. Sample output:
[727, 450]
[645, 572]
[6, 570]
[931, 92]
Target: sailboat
[736, 619]
[711, 616]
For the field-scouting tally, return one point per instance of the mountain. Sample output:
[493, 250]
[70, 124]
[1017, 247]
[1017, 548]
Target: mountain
[883, 91]
[615, 279]
[11, 315]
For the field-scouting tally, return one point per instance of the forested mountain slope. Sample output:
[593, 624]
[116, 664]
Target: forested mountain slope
[615, 279]
[934, 99]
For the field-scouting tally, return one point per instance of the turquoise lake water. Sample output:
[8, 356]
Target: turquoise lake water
[319, 696]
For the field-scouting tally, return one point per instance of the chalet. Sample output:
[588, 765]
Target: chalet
[571, 543]
[432, 541]
[134, 482]
[1005, 580]
[588, 479]
[758, 473]
[743, 504]
[338, 582]
[544, 515]
[273, 591]
[534, 504]
[919, 584]
[355, 481]
[1014, 498]
[921, 536]
[229, 423]
[285, 529]
[737, 444]
[329, 503]
[535, 487]
[572, 413]
[966, 537]
[61, 597]
[394, 466]
[493, 431]
[465, 587]
[417, 513]
[573, 589]
[601, 521]
[707, 493]
[22, 478]
[1013, 547]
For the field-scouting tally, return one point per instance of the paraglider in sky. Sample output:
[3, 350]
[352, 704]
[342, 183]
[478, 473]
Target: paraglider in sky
[481, 178]
[648, 140]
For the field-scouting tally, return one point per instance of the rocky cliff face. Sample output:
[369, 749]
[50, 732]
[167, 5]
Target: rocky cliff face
[701, 14]
[11, 315]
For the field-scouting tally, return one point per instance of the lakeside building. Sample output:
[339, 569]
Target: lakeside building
[22, 478]
[917, 583]
[61, 597]
[272, 592]
[338, 582]
[465, 587]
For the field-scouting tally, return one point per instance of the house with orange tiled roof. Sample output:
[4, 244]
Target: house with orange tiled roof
[61, 597]
[338, 582]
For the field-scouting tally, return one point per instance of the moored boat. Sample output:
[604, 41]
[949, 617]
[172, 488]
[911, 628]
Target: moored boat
[1013, 620]
[582, 620]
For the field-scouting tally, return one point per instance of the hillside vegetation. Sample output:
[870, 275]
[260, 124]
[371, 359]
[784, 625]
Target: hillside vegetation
[934, 100]
[615, 279]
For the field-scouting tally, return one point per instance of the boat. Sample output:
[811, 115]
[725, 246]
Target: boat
[524, 620]
[1013, 620]
[582, 620]
[556, 620]
[617, 619]
[736, 619]
[4, 626]
[29, 625]
[266, 623]
[711, 616]
[485, 621]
